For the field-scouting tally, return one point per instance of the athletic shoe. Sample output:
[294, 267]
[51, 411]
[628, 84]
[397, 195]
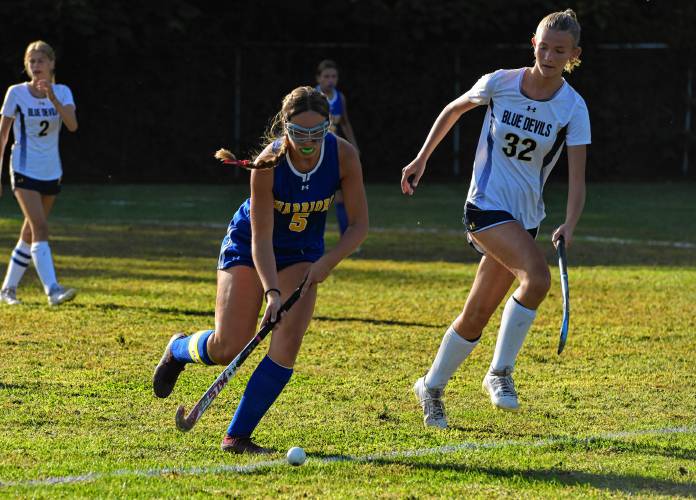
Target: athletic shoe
[431, 402]
[501, 388]
[9, 296]
[59, 294]
[242, 445]
[167, 370]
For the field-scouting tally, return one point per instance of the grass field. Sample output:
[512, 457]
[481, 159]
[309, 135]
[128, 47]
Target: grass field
[615, 415]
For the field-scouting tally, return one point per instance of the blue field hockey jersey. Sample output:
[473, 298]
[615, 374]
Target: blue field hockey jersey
[301, 201]
[335, 103]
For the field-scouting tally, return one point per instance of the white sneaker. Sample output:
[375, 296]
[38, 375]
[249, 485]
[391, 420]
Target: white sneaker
[501, 389]
[59, 294]
[9, 296]
[431, 402]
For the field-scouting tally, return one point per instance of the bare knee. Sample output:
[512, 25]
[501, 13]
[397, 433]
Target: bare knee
[223, 348]
[535, 285]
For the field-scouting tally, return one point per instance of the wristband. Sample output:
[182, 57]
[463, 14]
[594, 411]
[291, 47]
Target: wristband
[265, 294]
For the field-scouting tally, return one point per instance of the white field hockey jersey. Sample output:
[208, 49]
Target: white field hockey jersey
[521, 140]
[36, 130]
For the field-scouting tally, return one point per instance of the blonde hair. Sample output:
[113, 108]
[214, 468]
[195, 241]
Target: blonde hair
[298, 101]
[567, 21]
[45, 49]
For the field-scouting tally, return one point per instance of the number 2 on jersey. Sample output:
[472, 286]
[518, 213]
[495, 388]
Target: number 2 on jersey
[298, 222]
[44, 127]
[511, 148]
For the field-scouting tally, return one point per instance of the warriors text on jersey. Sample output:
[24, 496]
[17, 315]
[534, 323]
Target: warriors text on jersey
[36, 130]
[301, 201]
[521, 140]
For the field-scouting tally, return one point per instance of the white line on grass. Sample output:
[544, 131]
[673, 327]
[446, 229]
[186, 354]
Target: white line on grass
[247, 469]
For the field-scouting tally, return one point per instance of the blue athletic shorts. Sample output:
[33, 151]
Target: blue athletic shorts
[236, 252]
[20, 181]
[476, 220]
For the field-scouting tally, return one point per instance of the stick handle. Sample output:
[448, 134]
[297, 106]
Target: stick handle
[186, 422]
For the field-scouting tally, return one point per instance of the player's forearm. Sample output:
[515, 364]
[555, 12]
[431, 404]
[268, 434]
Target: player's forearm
[3, 143]
[577, 157]
[444, 122]
[351, 239]
[575, 204]
[348, 131]
[264, 260]
[67, 115]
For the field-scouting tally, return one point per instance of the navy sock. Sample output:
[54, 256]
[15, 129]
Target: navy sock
[263, 388]
[342, 217]
[193, 349]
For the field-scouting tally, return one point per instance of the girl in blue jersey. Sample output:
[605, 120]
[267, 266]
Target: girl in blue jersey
[37, 109]
[327, 79]
[532, 113]
[274, 240]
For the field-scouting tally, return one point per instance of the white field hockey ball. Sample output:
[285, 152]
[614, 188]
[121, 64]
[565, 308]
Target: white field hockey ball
[296, 456]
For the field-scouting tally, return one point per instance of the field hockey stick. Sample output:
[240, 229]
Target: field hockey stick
[563, 268]
[186, 422]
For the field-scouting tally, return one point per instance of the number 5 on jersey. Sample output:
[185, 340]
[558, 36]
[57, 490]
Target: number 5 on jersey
[298, 222]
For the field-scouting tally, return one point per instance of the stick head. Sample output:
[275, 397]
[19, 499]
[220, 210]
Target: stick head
[564, 333]
[182, 423]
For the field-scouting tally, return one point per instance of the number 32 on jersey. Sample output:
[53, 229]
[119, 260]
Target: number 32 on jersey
[511, 149]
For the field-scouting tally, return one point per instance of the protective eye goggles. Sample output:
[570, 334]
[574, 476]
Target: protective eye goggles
[303, 134]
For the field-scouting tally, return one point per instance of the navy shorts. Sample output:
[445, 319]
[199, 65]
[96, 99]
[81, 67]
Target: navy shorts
[236, 252]
[476, 220]
[20, 181]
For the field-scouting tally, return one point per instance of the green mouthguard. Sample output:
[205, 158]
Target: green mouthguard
[307, 151]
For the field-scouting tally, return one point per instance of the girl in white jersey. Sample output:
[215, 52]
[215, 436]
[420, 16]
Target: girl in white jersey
[531, 113]
[37, 109]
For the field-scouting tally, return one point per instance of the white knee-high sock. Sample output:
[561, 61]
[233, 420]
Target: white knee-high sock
[43, 262]
[19, 261]
[513, 330]
[452, 352]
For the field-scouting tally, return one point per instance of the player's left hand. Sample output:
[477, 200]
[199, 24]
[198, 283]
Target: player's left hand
[317, 273]
[47, 87]
[565, 231]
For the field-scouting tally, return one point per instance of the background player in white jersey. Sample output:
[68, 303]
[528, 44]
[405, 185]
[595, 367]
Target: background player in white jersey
[531, 113]
[327, 80]
[37, 108]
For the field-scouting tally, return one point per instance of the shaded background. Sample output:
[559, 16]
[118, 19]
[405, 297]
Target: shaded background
[160, 85]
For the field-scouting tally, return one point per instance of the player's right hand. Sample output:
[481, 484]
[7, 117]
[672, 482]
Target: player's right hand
[410, 176]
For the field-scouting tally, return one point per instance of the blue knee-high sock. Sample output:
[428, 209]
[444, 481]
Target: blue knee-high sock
[193, 349]
[342, 217]
[263, 388]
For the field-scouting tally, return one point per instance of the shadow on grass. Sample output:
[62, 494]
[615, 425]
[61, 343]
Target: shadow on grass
[380, 322]
[623, 483]
[110, 306]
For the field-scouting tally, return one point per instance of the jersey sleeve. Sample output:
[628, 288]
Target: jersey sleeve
[579, 126]
[66, 97]
[9, 105]
[482, 91]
